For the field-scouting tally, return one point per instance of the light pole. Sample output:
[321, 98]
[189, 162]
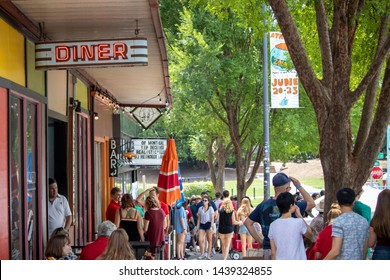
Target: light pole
[266, 113]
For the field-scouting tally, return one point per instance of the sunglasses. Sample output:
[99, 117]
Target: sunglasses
[205, 200]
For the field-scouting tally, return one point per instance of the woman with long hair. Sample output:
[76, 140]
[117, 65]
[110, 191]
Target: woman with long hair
[379, 237]
[324, 239]
[205, 227]
[242, 213]
[130, 219]
[154, 222]
[227, 220]
[118, 247]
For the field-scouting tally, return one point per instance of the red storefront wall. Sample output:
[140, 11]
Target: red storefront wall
[4, 216]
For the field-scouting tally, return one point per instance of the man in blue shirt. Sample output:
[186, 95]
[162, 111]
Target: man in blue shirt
[267, 211]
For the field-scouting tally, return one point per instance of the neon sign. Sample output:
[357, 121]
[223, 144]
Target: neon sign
[63, 55]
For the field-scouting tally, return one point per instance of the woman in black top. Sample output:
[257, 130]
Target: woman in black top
[130, 219]
[227, 220]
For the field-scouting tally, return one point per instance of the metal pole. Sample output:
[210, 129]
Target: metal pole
[266, 113]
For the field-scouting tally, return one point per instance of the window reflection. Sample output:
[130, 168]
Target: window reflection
[16, 177]
[31, 180]
[23, 184]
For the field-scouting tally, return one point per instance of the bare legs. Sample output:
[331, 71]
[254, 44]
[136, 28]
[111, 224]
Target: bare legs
[245, 239]
[225, 243]
[180, 245]
[201, 235]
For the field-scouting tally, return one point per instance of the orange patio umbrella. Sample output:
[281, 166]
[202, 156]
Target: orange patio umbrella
[168, 180]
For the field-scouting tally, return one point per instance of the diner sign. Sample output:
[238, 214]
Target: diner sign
[63, 55]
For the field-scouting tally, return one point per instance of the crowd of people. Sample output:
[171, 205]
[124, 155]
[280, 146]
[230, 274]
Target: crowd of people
[207, 226]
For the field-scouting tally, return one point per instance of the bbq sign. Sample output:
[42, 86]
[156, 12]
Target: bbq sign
[63, 55]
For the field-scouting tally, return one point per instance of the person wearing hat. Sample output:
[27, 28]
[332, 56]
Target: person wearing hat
[267, 211]
[317, 224]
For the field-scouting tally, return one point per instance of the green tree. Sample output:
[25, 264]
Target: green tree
[350, 73]
[340, 50]
[215, 69]
[219, 68]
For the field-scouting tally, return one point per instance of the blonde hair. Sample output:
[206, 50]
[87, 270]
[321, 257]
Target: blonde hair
[227, 206]
[118, 247]
[333, 213]
[245, 208]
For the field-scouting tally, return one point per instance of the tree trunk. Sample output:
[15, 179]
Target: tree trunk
[219, 155]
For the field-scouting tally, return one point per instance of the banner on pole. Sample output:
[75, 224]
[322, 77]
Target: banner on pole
[284, 78]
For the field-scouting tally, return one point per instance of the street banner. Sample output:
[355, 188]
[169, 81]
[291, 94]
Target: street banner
[284, 78]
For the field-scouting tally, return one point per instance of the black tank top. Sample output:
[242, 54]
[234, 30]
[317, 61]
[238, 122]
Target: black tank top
[225, 222]
[130, 225]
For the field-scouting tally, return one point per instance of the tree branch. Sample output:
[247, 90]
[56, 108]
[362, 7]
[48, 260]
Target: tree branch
[379, 124]
[375, 67]
[217, 112]
[259, 156]
[324, 40]
[370, 99]
[298, 53]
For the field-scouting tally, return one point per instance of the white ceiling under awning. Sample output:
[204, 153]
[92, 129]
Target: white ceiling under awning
[74, 20]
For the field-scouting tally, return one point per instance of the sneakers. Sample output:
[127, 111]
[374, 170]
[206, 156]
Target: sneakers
[213, 253]
[208, 258]
[202, 257]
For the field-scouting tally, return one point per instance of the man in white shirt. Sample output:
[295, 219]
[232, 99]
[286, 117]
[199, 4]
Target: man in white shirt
[59, 214]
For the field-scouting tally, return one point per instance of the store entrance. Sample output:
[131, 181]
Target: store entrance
[57, 151]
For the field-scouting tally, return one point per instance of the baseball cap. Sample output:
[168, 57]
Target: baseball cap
[280, 179]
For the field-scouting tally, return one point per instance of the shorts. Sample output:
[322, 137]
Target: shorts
[243, 230]
[205, 226]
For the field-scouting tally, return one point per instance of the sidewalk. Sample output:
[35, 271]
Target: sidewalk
[194, 256]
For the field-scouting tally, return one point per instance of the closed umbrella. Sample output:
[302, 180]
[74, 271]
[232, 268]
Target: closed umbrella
[168, 180]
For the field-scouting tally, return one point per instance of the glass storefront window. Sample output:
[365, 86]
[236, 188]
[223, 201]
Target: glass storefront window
[23, 185]
[16, 178]
[31, 198]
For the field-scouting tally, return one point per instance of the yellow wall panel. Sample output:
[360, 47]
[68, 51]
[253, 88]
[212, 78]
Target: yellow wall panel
[81, 94]
[57, 91]
[35, 78]
[11, 54]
